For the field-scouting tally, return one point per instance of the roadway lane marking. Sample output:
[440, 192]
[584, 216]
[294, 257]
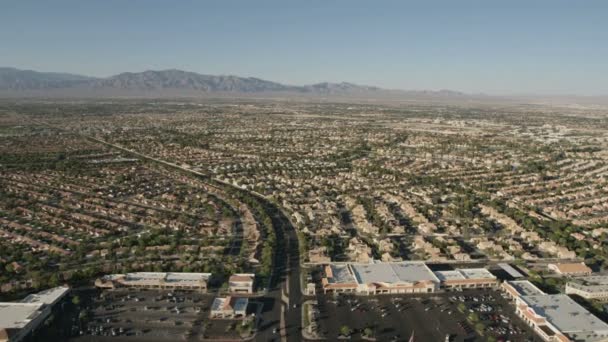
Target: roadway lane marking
[282, 325]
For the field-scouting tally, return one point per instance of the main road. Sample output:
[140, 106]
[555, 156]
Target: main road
[285, 294]
[282, 309]
[283, 301]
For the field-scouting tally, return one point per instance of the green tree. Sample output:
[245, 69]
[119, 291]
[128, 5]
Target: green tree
[54, 280]
[473, 317]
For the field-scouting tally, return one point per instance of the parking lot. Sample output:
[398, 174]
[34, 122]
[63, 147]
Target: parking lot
[494, 315]
[155, 316]
[430, 317]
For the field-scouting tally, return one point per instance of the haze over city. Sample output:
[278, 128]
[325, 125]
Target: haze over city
[219, 171]
[515, 47]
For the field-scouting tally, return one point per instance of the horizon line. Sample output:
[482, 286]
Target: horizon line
[437, 90]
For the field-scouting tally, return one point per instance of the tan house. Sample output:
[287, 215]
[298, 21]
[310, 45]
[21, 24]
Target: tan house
[570, 269]
[318, 256]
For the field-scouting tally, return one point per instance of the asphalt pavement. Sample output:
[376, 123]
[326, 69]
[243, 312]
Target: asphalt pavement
[285, 280]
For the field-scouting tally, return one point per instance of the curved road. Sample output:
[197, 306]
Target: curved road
[285, 281]
[282, 304]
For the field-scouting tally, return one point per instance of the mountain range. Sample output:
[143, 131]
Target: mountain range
[27, 82]
[172, 83]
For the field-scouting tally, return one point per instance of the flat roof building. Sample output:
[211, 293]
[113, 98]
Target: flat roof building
[229, 307]
[591, 287]
[241, 283]
[339, 278]
[555, 317]
[518, 288]
[156, 280]
[49, 297]
[401, 277]
[511, 271]
[466, 278]
[380, 278]
[562, 316]
[19, 319]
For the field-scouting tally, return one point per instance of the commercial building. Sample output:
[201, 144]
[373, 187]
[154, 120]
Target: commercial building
[19, 319]
[466, 278]
[511, 271]
[401, 277]
[518, 288]
[339, 278]
[379, 278]
[156, 280]
[555, 318]
[229, 307]
[591, 287]
[571, 269]
[241, 283]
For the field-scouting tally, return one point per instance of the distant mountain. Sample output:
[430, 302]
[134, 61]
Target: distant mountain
[15, 83]
[178, 83]
[177, 79]
[23, 80]
[15, 79]
[333, 88]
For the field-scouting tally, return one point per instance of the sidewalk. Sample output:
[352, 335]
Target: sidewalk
[305, 333]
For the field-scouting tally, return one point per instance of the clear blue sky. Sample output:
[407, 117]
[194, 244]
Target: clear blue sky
[496, 47]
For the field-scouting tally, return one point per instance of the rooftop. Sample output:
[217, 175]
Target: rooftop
[476, 273]
[590, 283]
[187, 276]
[239, 304]
[218, 303]
[18, 315]
[511, 270]
[341, 274]
[525, 288]
[242, 277]
[464, 273]
[157, 276]
[227, 303]
[49, 296]
[145, 276]
[408, 272]
[565, 314]
[449, 275]
[577, 267]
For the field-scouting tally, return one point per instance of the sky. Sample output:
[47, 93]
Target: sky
[492, 47]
